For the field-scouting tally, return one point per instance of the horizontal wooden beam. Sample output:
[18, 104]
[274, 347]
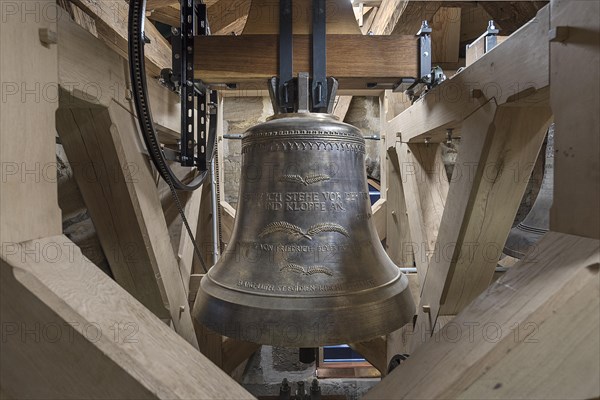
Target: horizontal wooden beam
[355, 60]
[509, 72]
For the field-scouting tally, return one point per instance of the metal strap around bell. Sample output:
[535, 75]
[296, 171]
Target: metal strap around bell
[319, 57]
[285, 89]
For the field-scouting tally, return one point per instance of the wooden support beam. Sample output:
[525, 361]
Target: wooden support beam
[71, 332]
[398, 240]
[89, 69]
[224, 13]
[510, 16]
[445, 37]
[387, 17]
[111, 22]
[498, 151]
[155, 4]
[542, 315]
[116, 182]
[511, 71]
[413, 15]
[575, 104]
[253, 58]
[28, 189]
[425, 187]
[378, 211]
[170, 15]
[341, 106]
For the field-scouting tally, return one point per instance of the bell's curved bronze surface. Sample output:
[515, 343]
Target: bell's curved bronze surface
[304, 267]
[537, 222]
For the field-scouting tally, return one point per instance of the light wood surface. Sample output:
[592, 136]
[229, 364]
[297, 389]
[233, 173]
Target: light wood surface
[94, 340]
[425, 187]
[542, 315]
[511, 71]
[91, 70]
[123, 202]
[577, 165]
[111, 22]
[28, 188]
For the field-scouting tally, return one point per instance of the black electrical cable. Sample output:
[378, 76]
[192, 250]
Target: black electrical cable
[137, 69]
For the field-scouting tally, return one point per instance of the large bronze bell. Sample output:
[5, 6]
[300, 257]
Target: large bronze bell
[304, 267]
[523, 236]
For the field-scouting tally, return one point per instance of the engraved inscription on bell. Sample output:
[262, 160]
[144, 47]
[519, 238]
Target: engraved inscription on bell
[304, 256]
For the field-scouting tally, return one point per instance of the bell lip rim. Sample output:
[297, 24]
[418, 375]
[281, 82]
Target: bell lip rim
[397, 278]
[323, 116]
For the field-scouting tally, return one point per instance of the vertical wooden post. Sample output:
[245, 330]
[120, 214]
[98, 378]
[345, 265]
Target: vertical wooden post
[28, 185]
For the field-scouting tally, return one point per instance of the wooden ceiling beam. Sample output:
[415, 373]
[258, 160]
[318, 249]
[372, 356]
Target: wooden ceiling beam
[350, 58]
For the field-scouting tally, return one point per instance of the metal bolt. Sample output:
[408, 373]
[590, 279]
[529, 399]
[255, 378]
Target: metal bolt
[426, 309]
[427, 141]
[181, 308]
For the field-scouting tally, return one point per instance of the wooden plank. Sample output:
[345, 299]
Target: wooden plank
[111, 22]
[518, 137]
[412, 17]
[224, 13]
[89, 69]
[388, 14]
[227, 220]
[398, 240]
[185, 253]
[167, 15]
[119, 189]
[28, 189]
[498, 151]
[476, 49]
[62, 318]
[511, 71]
[378, 212]
[263, 18]
[577, 167]
[524, 317]
[341, 106]
[510, 16]
[154, 4]
[445, 38]
[425, 187]
[253, 58]
[473, 22]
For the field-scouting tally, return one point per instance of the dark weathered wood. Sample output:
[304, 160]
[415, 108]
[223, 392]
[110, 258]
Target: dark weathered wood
[511, 15]
[354, 59]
